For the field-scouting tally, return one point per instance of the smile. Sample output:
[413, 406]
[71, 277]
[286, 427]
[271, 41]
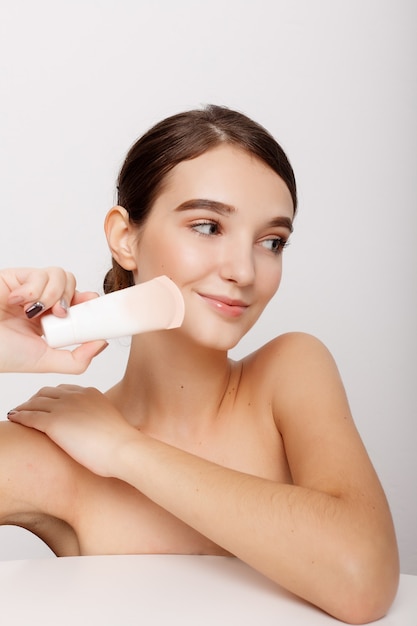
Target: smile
[224, 305]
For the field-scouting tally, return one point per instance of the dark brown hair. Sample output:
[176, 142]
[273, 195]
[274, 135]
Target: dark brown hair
[179, 138]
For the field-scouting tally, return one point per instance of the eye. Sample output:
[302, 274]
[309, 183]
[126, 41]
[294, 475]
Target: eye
[206, 228]
[274, 244]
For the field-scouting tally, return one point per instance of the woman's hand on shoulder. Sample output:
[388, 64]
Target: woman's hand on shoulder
[25, 294]
[81, 421]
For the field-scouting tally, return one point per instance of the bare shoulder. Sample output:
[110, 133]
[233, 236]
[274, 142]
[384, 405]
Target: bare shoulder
[304, 374]
[295, 351]
[302, 380]
[291, 342]
[35, 475]
[311, 411]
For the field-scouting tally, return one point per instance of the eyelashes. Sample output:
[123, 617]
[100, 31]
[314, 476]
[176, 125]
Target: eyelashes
[211, 228]
[206, 228]
[277, 244]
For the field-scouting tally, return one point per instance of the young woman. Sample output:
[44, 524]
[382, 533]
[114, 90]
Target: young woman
[192, 452]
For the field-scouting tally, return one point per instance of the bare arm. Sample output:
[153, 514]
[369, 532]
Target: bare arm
[328, 538]
[37, 480]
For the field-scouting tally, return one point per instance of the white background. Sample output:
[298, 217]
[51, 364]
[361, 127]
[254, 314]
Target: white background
[333, 80]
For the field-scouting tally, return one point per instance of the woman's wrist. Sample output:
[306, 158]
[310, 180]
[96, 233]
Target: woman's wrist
[126, 458]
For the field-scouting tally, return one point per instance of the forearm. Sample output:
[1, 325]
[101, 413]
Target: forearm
[323, 548]
[333, 546]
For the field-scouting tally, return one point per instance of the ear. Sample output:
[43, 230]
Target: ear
[121, 237]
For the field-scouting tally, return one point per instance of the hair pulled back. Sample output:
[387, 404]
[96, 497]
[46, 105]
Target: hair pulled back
[178, 138]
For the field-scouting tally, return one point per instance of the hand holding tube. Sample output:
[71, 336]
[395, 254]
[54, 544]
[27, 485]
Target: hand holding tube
[25, 293]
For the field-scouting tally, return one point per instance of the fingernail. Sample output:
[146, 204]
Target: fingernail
[63, 304]
[102, 348]
[12, 412]
[34, 309]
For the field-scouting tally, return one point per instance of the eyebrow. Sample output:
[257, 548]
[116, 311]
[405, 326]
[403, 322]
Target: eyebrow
[226, 209]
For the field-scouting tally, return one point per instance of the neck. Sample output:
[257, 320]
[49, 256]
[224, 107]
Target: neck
[170, 382]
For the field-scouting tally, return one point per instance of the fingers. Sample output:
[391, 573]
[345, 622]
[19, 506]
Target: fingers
[70, 361]
[36, 411]
[84, 296]
[38, 419]
[43, 399]
[37, 290]
[40, 289]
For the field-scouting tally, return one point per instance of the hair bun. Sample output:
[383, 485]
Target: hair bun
[117, 278]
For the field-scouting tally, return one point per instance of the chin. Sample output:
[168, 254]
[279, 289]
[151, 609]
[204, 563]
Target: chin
[216, 333]
[223, 342]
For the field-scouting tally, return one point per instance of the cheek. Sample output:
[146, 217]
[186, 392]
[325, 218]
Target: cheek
[270, 273]
[172, 256]
[190, 256]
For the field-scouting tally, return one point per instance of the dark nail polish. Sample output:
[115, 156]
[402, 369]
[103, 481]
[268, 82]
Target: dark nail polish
[34, 309]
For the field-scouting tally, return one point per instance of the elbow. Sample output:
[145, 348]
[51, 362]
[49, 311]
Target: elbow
[369, 589]
[363, 608]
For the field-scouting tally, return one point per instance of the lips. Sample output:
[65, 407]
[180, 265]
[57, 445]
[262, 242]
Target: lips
[223, 304]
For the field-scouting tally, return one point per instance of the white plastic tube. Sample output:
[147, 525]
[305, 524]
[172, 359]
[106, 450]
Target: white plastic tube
[154, 305]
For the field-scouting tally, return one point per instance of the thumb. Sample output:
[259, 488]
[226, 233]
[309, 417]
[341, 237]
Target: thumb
[71, 361]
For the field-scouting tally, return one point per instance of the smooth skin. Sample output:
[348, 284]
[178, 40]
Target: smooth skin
[191, 452]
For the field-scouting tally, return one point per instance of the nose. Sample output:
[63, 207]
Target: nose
[237, 263]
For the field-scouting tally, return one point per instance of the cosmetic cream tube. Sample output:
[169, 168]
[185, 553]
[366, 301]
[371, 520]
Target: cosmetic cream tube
[153, 305]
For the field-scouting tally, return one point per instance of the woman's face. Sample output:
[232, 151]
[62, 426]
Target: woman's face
[217, 230]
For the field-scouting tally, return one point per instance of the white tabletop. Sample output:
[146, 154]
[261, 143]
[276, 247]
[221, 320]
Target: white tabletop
[157, 590]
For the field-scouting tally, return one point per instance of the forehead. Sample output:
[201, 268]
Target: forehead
[230, 175]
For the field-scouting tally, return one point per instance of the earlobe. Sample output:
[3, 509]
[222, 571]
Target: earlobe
[120, 237]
